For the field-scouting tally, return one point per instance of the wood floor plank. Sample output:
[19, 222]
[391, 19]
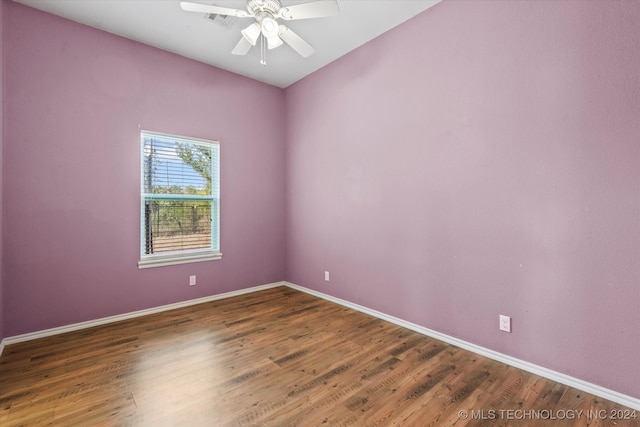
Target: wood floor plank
[277, 357]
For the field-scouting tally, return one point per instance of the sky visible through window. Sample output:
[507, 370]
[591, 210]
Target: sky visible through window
[166, 171]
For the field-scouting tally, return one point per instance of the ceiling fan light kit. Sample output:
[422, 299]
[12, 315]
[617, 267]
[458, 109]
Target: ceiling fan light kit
[266, 28]
[251, 33]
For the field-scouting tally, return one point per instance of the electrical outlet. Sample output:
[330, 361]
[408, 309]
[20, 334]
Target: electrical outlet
[192, 280]
[505, 323]
[326, 276]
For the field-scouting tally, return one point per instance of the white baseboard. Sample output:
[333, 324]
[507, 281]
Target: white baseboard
[577, 383]
[126, 316]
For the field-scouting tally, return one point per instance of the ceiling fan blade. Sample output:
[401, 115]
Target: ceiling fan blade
[218, 10]
[296, 42]
[242, 48]
[315, 9]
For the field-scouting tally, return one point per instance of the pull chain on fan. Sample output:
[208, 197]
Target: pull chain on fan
[263, 53]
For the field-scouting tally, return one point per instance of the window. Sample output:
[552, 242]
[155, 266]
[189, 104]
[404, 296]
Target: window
[180, 200]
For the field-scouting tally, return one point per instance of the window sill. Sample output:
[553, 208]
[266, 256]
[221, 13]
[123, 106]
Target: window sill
[174, 259]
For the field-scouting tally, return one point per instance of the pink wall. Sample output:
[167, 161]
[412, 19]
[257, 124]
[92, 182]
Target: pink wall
[74, 98]
[481, 159]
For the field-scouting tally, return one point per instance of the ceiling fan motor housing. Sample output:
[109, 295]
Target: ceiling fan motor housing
[269, 6]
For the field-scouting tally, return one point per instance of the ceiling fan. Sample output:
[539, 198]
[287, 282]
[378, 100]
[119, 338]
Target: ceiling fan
[266, 28]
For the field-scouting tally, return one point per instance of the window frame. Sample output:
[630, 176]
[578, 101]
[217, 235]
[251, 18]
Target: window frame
[186, 255]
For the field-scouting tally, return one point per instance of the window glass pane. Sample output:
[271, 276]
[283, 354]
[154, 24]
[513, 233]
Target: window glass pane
[174, 225]
[175, 167]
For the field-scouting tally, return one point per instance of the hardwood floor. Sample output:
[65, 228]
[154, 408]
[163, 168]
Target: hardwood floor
[275, 358]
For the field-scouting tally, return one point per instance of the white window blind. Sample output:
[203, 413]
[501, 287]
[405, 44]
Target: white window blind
[180, 206]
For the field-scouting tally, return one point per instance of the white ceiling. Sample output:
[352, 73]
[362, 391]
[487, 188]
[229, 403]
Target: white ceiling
[163, 24]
